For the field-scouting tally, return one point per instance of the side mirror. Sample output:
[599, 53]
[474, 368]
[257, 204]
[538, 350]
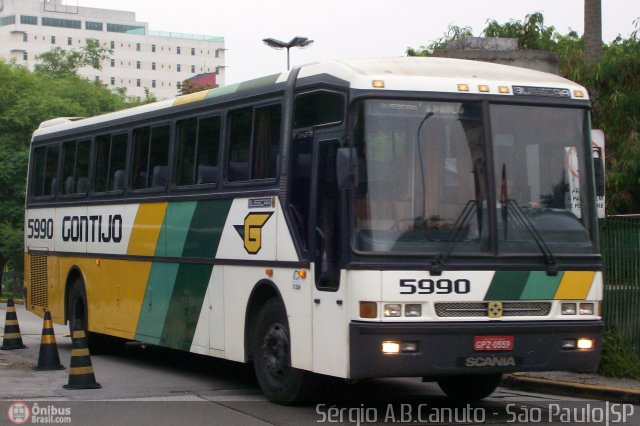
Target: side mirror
[598, 169]
[347, 168]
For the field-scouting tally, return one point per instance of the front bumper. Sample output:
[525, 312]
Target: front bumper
[446, 349]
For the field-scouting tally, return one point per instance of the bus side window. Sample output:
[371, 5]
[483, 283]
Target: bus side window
[45, 173]
[254, 143]
[198, 142]
[110, 160]
[75, 167]
[151, 157]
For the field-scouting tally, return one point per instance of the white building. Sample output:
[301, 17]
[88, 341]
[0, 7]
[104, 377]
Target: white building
[141, 59]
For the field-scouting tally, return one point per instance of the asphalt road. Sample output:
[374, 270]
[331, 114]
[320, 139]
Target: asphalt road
[150, 385]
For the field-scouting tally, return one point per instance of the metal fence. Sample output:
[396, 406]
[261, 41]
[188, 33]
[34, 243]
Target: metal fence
[620, 245]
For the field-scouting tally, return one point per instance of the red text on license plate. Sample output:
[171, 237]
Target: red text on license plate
[492, 343]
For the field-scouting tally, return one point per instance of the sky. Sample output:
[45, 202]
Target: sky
[345, 29]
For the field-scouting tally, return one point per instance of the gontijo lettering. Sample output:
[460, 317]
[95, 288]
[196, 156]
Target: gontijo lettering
[98, 228]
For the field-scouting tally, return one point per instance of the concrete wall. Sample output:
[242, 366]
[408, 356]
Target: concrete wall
[500, 51]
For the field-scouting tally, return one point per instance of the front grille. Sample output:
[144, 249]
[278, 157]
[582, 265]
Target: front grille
[480, 309]
[38, 289]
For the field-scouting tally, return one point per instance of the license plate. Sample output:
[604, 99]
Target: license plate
[492, 343]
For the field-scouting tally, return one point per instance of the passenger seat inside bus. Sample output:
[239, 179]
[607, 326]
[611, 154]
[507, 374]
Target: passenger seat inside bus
[160, 177]
[82, 185]
[117, 184]
[207, 174]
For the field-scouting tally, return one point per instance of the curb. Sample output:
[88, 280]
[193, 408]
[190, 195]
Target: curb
[559, 387]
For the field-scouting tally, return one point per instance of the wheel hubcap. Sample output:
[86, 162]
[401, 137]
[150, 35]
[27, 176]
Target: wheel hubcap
[276, 351]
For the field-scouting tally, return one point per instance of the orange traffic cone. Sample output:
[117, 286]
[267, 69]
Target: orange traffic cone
[12, 337]
[48, 358]
[80, 369]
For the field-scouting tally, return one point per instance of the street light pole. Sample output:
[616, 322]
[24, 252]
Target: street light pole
[300, 42]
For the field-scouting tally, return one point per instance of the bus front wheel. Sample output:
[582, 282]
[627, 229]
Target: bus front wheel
[279, 381]
[470, 387]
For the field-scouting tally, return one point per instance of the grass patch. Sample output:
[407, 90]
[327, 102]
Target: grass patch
[619, 359]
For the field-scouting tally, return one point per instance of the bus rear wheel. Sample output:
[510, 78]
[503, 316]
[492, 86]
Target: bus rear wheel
[470, 387]
[78, 319]
[279, 381]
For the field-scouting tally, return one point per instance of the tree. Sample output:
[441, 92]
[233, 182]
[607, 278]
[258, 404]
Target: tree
[63, 61]
[592, 31]
[27, 99]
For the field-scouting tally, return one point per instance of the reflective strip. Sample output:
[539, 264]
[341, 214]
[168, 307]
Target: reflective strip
[12, 336]
[48, 339]
[78, 334]
[80, 352]
[80, 370]
[11, 322]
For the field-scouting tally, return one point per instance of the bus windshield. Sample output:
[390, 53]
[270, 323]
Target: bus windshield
[423, 178]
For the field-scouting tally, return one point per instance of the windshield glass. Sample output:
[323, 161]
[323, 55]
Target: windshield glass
[423, 178]
[421, 169]
[540, 171]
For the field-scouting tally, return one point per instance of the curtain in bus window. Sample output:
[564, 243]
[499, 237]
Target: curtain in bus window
[266, 142]
[140, 174]
[37, 178]
[207, 150]
[239, 145]
[51, 170]
[187, 136]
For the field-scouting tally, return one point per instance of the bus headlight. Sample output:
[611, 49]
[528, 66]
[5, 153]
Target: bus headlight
[392, 310]
[568, 309]
[586, 309]
[412, 310]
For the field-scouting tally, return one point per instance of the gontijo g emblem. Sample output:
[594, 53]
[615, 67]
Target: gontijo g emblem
[251, 231]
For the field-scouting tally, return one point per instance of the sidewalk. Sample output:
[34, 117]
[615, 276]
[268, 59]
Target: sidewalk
[582, 385]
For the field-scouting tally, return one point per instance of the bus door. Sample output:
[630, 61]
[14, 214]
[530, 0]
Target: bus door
[329, 295]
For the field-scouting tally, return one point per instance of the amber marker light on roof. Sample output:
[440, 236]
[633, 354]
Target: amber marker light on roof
[483, 88]
[503, 89]
[378, 84]
[463, 87]
[578, 93]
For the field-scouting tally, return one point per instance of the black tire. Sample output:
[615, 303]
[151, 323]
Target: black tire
[78, 317]
[279, 381]
[470, 388]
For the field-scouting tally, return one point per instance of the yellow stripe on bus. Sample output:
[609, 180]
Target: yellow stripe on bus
[146, 229]
[192, 97]
[575, 285]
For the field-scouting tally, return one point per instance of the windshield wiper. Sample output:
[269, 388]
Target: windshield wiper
[507, 204]
[459, 226]
[521, 217]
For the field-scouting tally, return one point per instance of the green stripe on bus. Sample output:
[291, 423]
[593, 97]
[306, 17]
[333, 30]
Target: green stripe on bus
[541, 286]
[507, 285]
[155, 304]
[185, 306]
[177, 225]
[205, 229]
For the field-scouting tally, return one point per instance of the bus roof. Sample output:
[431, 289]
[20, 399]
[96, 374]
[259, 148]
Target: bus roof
[402, 73]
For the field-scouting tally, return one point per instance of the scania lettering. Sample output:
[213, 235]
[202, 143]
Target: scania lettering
[413, 217]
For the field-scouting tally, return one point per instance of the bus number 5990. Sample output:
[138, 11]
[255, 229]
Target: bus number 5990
[429, 286]
[41, 229]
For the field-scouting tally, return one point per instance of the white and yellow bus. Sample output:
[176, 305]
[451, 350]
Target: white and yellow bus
[415, 217]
